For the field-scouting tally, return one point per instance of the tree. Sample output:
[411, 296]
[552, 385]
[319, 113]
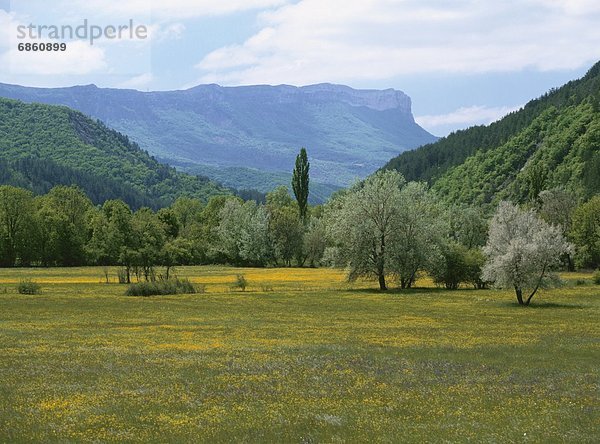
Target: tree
[286, 231]
[300, 182]
[475, 260]
[535, 179]
[150, 236]
[468, 226]
[111, 234]
[586, 233]
[187, 211]
[169, 220]
[176, 252]
[16, 217]
[64, 211]
[278, 198]
[418, 232]
[361, 225]
[244, 233]
[256, 248]
[232, 220]
[556, 207]
[315, 241]
[521, 251]
[452, 268]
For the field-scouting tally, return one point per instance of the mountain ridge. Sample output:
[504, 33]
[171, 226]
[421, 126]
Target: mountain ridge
[348, 133]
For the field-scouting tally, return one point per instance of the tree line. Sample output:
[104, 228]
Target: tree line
[383, 227]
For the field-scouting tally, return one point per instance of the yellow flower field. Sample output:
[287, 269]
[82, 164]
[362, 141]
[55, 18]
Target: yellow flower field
[300, 356]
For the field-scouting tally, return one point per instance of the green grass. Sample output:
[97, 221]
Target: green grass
[311, 361]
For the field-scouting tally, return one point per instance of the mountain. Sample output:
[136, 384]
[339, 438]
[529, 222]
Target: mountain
[348, 133]
[552, 141]
[44, 145]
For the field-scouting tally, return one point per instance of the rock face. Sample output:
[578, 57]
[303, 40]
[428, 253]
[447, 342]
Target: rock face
[348, 133]
[379, 100]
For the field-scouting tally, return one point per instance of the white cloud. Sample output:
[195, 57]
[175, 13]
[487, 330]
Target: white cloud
[8, 24]
[463, 117]
[138, 82]
[173, 31]
[162, 10]
[345, 41]
[79, 58]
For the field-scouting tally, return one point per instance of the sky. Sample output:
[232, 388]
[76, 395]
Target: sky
[462, 62]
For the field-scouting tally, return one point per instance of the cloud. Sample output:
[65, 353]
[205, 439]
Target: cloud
[7, 24]
[173, 31]
[164, 11]
[347, 41]
[138, 82]
[79, 58]
[463, 117]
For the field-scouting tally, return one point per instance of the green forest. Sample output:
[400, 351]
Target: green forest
[553, 141]
[42, 146]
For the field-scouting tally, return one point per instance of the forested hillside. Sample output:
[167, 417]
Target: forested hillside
[43, 145]
[552, 141]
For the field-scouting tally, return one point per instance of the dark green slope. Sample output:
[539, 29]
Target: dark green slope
[554, 140]
[44, 145]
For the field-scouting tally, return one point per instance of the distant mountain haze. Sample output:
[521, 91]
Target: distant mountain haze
[348, 133]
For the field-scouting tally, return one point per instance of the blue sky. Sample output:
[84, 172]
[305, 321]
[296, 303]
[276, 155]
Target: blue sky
[463, 62]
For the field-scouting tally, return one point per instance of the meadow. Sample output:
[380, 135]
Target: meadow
[300, 356]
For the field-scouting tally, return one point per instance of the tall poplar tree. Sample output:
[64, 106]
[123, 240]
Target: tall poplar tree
[300, 181]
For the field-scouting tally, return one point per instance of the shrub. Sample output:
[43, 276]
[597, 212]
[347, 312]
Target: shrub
[475, 261]
[27, 286]
[122, 275]
[451, 270]
[241, 282]
[597, 277]
[161, 287]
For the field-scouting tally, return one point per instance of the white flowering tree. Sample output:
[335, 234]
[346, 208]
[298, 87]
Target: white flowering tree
[521, 251]
[362, 226]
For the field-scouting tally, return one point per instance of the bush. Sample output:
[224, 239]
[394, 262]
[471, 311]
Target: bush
[122, 276]
[27, 286]
[474, 261]
[451, 270]
[597, 277]
[161, 287]
[240, 282]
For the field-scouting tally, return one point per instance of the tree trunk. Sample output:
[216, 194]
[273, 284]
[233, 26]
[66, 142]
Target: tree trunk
[570, 263]
[519, 293]
[539, 282]
[382, 285]
[381, 264]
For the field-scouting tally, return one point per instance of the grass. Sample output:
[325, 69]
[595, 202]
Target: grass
[310, 360]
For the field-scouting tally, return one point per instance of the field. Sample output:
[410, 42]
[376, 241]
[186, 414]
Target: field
[300, 356]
